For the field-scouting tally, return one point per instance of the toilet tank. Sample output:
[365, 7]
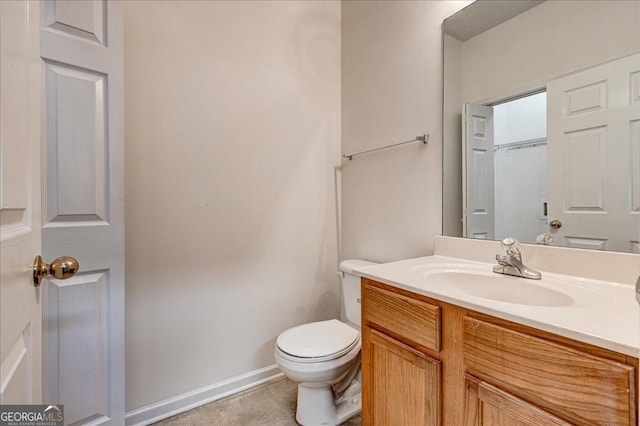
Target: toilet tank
[351, 288]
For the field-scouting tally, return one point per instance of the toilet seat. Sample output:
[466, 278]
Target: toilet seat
[317, 341]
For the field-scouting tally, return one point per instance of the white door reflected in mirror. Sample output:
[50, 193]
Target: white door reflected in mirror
[519, 52]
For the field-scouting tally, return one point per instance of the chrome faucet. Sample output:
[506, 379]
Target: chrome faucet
[510, 262]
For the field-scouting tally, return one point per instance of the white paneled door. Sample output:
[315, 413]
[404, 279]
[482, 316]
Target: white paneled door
[20, 300]
[62, 191]
[81, 47]
[593, 150]
[478, 169]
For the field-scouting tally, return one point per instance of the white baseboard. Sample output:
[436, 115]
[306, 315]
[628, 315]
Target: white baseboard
[187, 401]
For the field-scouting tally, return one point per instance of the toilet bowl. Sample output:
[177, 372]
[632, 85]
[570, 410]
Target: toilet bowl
[323, 357]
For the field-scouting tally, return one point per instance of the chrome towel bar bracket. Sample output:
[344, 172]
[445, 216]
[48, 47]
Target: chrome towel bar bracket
[423, 138]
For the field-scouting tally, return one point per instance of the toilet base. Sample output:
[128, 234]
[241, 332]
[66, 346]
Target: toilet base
[317, 406]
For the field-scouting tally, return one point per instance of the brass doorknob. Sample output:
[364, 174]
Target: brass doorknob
[61, 268]
[555, 224]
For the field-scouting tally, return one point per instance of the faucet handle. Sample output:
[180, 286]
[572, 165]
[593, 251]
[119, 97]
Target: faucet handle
[511, 246]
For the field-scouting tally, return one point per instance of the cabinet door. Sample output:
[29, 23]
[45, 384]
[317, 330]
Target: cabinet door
[401, 384]
[486, 405]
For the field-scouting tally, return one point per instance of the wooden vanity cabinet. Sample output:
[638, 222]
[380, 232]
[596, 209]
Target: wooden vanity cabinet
[427, 362]
[401, 380]
[403, 383]
[572, 383]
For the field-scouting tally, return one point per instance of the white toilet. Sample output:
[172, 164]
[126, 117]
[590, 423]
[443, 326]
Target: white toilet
[324, 358]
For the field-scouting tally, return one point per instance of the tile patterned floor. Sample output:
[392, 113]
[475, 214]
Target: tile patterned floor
[272, 404]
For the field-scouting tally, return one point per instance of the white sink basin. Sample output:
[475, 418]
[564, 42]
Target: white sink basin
[500, 288]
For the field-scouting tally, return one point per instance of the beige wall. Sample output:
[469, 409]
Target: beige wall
[391, 92]
[232, 136]
[550, 40]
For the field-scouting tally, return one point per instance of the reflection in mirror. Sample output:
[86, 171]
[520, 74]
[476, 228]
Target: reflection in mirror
[542, 123]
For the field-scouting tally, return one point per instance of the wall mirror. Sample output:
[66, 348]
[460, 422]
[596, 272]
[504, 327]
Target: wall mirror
[541, 123]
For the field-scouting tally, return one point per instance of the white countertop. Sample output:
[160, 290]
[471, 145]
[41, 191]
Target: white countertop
[600, 313]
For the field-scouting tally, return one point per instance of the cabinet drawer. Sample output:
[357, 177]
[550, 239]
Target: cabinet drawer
[579, 387]
[405, 316]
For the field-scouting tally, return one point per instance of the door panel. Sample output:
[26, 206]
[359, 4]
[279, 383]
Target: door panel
[593, 144]
[81, 48]
[585, 177]
[76, 314]
[17, 370]
[20, 311]
[82, 19]
[635, 167]
[478, 203]
[76, 169]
